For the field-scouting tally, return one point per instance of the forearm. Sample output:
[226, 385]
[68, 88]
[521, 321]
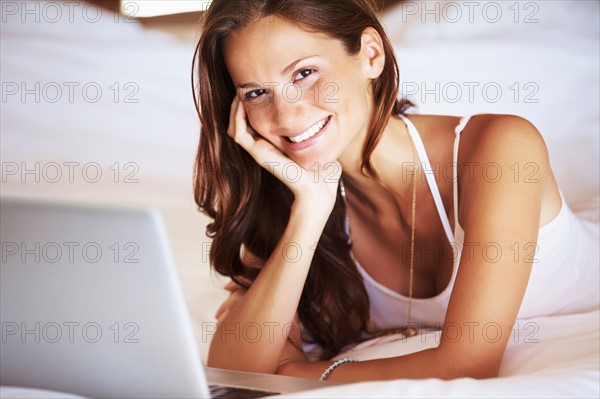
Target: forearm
[429, 363]
[252, 335]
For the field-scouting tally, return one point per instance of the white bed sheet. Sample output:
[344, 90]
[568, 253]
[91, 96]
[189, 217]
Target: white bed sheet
[546, 357]
[159, 135]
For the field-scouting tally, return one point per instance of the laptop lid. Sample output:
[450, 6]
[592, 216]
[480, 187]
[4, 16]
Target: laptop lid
[91, 304]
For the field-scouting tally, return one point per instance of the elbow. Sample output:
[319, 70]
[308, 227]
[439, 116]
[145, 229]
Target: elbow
[231, 361]
[213, 361]
[477, 373]
[473, 366]
[217, 358]
[216, 361]
[239, 366]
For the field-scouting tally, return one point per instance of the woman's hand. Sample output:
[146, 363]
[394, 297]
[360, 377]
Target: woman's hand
[236, 292]
[313, 187]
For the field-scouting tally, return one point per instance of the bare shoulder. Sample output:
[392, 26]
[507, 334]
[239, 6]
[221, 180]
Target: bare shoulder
[508, 153]
[502, 137]
[481, 128]
[496, 152]
[486, 140]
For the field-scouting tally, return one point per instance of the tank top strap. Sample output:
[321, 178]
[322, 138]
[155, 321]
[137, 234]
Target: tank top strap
[457, 131]
[430, 177]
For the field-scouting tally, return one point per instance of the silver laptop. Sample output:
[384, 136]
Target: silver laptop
[91, 305]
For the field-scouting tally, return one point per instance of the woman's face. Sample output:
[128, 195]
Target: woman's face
[301, 91]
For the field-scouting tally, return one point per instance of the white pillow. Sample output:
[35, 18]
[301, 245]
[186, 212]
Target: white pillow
[547, 72]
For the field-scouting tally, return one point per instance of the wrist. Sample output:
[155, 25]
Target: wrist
[334, 365]
[311, 217]
[313, 207]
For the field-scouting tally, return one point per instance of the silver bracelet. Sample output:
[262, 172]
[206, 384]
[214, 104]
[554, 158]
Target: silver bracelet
[334, 365]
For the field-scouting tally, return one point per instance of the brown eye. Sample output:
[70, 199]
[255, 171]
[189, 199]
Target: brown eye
[254, 94]
[304, 73]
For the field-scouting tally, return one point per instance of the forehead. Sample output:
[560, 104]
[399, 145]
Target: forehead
[265, 47]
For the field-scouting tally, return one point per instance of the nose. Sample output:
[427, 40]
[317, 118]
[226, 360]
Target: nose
[287, 110]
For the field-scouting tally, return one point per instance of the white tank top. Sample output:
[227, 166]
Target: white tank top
[564, 276]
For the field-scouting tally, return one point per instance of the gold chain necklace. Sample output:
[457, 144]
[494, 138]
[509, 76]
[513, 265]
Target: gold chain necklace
[409, 330]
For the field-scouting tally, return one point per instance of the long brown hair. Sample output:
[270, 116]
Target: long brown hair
[238, 194]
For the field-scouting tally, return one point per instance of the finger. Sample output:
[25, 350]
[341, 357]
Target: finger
[224, 306]
[233, 298]
[244, 280]
[231, 286]
[242, 134]
[274, 160]
[246, 137]
[232, 112]
[264, 152]
[222, 316]
[238, 128]
[220, 311]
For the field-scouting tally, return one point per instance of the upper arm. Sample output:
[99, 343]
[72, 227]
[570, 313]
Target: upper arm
[500, 214]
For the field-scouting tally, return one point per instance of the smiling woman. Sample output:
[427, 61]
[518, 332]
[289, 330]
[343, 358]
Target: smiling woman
[302, 137]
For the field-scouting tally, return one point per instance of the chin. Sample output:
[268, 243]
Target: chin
[316, 162]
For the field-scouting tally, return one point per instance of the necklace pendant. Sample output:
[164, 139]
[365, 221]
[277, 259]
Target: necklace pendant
[410, 331]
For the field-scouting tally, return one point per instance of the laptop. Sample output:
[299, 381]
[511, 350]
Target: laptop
[91, 305]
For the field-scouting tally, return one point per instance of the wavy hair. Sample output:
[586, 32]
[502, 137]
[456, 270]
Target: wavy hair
[238, 194]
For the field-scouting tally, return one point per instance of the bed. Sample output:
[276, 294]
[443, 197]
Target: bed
[130, 115]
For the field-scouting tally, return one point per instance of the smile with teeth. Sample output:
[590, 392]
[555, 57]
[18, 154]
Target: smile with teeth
[316, 128]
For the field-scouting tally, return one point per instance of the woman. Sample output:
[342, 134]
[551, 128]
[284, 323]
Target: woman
[339, 217]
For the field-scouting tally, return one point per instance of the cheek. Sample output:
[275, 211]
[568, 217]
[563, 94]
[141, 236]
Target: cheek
[256, 115]
[344, 90]
[319, 91]
[348, 101]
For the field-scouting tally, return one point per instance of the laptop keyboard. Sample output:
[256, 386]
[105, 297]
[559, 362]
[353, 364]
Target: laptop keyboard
[222, 392]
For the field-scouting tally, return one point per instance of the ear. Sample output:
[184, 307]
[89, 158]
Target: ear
[372, 53]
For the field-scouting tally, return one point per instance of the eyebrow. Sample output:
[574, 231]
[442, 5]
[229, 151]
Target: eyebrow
[285, 71]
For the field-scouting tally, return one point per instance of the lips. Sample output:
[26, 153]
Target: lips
[309, 136]
[308, 133]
